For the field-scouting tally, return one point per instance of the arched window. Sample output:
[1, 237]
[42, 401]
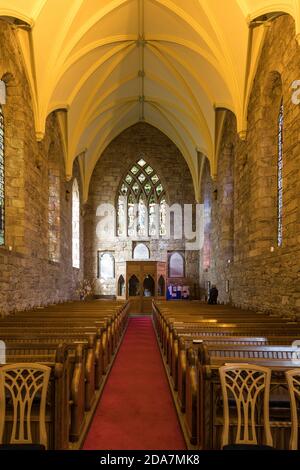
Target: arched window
[161, 288]
[207, 205]
[279, 175]
[2, 188]
[141, 203]
[176, 265]
[75, 225]
[141, 251]
[106, 266]
[53, 206]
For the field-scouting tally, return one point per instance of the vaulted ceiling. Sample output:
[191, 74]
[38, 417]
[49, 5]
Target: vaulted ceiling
[107, 64]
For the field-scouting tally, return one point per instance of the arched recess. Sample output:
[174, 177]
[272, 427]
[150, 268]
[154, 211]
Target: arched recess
[15, 18]
[133, 286]
[108, 135]
[149, 286]
[176, 265]
[259, 22]
[54, 205]
[207, 195]
[224, 214]
[141, 251]
[161, 286]
[265, 164]
[15, 104]
[121, 286]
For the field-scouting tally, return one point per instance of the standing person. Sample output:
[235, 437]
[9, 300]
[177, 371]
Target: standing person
[213, 295]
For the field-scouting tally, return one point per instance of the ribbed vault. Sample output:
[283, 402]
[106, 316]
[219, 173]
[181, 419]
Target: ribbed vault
[107, 64]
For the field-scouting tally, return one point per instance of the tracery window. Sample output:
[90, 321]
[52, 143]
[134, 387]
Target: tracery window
[75, 225]
[141, 208]
[279, 175]
[2, 182]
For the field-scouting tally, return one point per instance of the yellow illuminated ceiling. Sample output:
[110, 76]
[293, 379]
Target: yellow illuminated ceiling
[112, 63]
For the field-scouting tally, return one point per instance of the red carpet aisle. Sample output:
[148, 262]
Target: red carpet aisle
[136, 410]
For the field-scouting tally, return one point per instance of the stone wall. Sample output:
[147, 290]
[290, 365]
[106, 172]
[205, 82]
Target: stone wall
[261, 274]
[114, 163]
[27, 277]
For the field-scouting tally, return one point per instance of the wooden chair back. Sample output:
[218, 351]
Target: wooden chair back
[21, 384]
[245, 383]
[293, 380]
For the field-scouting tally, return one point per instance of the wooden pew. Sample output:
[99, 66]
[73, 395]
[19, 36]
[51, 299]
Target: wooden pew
[56, 336]
[203, 368]
[179, 358]
[96, 327]
[183, 334]
[166, 322]
[78, 387]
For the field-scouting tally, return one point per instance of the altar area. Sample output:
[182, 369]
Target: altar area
[140, 282]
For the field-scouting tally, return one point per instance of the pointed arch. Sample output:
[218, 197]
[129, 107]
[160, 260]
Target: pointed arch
[133, 286]
[121, 286]
[141, 251]
[149, 286]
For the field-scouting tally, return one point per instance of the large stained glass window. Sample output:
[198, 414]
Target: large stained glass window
[75, 225]
[141, 203]
[2, 238]
[279, 175]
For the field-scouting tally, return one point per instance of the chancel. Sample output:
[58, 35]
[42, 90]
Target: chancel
[149, 225]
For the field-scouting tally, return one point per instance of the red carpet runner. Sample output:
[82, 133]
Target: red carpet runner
[136, 410]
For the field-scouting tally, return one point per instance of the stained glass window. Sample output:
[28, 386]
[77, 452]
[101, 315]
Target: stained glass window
[75, 225]
[279, 175]
[141, 162]
[2, 238]
[142, 217]
[54, 213]
[131, 211]
[149, 170]
[142, 202]
[152, 216]
[163, 217]
[122, 216]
